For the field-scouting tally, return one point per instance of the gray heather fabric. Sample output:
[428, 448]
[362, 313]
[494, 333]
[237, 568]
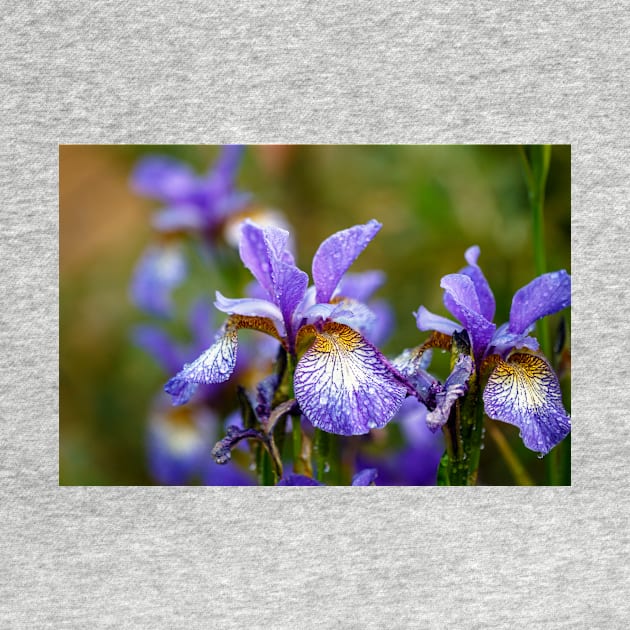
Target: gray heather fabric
[108, 72]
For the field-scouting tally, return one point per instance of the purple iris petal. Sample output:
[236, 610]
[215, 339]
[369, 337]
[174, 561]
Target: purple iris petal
[365, 477]
[426, 320]
[460, 298]
[159, 345]
[164, 178]
[525, 392]
[482, 288]
[215, 365]
[344, 385]
[252, 307]
[503, 341]
[298, 480]
[360, 286]
[337, 253]
[159, 271]
[259, 247]
[544, 295]
[455, 387]
[265, 252]
[180, 390]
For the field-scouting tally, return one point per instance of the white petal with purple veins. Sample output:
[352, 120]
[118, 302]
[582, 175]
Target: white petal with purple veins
[343, 384]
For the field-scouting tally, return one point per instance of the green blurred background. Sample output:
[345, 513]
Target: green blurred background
[433, 201]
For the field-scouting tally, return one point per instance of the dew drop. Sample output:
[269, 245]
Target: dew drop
[372, 424]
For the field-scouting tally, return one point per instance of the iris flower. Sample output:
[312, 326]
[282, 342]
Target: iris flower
[522, 389]
[197, 204]
[342, 383]
[192, 202]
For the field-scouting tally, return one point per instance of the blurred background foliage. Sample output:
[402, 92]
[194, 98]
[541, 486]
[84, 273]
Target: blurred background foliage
[433, 201]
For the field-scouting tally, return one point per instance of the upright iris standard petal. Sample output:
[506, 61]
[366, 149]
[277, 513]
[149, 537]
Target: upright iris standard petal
[289, 287]
[264, 251]
[460, 298]
[524, 391]
[337, 253]
[256, 255]
[344, 385]
[485, 296]
[544, 295]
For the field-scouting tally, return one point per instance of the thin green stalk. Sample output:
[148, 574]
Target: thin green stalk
[296, 430]
[326, 456]
[536, 164]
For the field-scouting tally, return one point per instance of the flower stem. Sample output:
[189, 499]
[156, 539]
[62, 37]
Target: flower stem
[326, 456]
[536, 160]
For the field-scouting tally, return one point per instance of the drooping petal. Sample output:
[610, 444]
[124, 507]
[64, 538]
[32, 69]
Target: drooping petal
[335, 255]
[360, 286]
[365, 477]
[164, 178]
[426, 320]
[544, 295]
[485, 296]
[460, 298]
[344, 385]
[252, 307]
[180, 390]
[455, 387]
[524, 391]
[215, 365]
[159, 271]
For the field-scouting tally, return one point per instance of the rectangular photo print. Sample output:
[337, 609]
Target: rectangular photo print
[315, 315]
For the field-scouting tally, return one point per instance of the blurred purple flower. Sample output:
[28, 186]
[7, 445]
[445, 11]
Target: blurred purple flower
[160, 270]
[193, 203]
[342, 383]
